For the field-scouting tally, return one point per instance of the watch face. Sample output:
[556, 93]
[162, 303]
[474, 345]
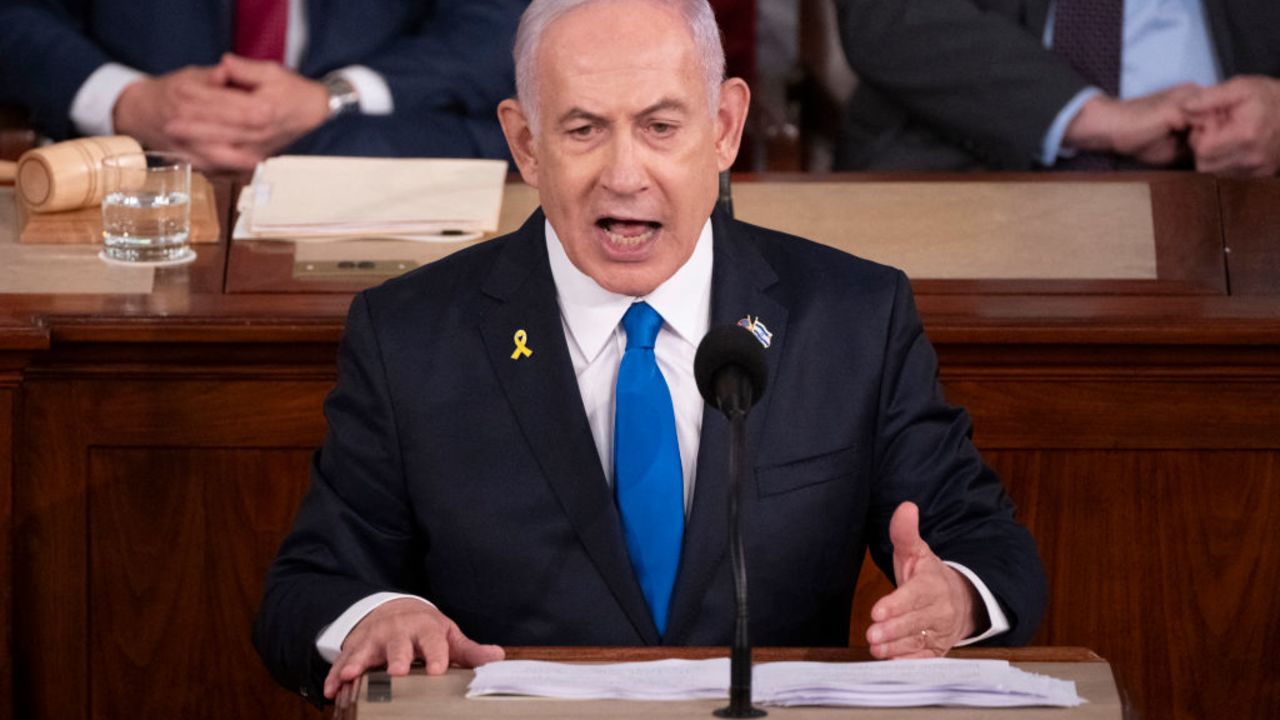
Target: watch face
[342, 95]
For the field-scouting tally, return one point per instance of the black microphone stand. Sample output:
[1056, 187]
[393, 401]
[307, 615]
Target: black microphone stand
[740, 655]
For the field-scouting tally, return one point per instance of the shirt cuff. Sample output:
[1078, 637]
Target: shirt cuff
[1052, 148]
[999, 622]
[91, 107]
[371, 89]
[329, 641]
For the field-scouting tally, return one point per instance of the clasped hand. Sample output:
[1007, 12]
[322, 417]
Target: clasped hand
[1232, 128]
[229, 116]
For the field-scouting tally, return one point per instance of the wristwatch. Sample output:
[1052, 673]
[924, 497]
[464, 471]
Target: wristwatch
[343, 97]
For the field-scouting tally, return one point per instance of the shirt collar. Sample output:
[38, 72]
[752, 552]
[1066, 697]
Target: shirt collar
[591, 313]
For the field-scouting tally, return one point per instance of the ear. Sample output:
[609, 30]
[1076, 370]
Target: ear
[731, 116]
[519, 138]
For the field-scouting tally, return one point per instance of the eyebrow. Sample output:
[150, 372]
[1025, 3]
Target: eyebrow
[577, 113]
[665, 104]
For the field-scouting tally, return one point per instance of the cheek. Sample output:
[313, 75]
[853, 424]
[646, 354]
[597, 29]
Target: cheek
[570, 177]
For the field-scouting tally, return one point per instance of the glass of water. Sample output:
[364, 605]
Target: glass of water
[146, 209]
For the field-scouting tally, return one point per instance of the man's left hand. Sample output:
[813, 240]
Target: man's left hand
[295, 106]
[934, 606]
[1235, 126]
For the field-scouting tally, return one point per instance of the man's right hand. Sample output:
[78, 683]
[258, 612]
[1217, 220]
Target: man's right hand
[398, 632]
[148, 107]
[1150, 129]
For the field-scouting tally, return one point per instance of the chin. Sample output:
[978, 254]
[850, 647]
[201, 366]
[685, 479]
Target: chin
[632, 282]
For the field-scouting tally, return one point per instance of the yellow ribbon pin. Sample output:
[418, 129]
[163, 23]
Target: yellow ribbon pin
[521, 348]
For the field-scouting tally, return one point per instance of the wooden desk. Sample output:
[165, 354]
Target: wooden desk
[156, 447]
[444, 697]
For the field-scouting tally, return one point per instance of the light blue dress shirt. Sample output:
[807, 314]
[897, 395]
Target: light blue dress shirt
[1166, 43]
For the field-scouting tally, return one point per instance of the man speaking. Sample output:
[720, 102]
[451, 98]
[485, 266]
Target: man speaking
[489, 479]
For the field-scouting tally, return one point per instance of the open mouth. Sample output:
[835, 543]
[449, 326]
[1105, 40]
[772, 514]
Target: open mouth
[628, 232]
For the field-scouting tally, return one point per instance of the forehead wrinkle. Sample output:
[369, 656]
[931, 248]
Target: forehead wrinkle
[599, 95]
[577, 113]
[663, 105]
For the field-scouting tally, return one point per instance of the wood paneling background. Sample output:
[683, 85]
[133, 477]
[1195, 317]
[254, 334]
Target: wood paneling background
[151, 511]
[1166, 562]
[7, 412]
[1154, 496]
[180, 540]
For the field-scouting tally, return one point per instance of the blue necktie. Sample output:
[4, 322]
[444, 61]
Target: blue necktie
[646, 464]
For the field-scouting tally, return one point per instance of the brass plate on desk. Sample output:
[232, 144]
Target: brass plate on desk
[84, 226]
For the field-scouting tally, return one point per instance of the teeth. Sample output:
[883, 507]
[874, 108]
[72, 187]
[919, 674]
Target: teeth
[629, 240]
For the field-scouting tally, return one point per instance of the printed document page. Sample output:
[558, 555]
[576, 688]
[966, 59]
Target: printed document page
[900, 683]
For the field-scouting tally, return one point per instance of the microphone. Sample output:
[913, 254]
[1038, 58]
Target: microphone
[730, 371]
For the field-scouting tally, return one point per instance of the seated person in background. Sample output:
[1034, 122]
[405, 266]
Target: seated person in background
[489, 450]
[231, 82]
[1016, 84]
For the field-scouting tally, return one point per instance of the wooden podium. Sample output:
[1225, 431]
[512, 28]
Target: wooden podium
[379, 697]
[157, 427]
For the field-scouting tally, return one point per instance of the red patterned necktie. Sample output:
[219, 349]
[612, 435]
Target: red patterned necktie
[260, 28]
[1089, 35]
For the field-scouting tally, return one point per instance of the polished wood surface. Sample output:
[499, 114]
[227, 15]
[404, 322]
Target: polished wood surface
[194, 530]
[444, 696]
[7, 415]
[19, 340]
[1251, 229]
[84, 225]
[152, 504]
[159, 442]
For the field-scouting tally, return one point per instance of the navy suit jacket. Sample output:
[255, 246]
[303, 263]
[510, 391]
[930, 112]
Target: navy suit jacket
[453, 471]
[447, 62]
[968, 84]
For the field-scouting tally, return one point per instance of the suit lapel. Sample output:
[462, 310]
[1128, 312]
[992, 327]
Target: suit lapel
[740, 277]
[544, 397]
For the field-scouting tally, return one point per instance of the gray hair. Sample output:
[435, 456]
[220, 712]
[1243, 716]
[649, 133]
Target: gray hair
[697, 14]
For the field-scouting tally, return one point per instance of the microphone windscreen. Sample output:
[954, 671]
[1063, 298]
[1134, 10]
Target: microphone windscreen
[728, 346]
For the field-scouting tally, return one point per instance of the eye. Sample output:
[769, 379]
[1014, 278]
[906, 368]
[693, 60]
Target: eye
[661, 129]
[582, 132]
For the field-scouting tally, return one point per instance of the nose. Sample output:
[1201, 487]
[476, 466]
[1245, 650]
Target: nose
[624, 172]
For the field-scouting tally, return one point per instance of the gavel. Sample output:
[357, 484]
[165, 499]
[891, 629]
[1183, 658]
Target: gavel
[68, 175]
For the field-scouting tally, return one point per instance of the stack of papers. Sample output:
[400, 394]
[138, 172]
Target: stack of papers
[900, 683]
[296, 197]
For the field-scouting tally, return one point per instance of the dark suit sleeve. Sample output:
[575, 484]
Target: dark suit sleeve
[924, 454]
[975, 77]
[44, 59]
[447, 75]
[459, 57]
[353, 535]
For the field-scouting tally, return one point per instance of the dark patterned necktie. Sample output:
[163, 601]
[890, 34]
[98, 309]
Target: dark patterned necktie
[1089, 35]
[260, 29]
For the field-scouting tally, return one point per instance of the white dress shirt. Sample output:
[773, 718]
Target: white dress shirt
[93, 103]
[592, 320]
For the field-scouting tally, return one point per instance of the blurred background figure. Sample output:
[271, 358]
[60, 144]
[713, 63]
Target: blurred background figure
[1075, 84]
[231, 82]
